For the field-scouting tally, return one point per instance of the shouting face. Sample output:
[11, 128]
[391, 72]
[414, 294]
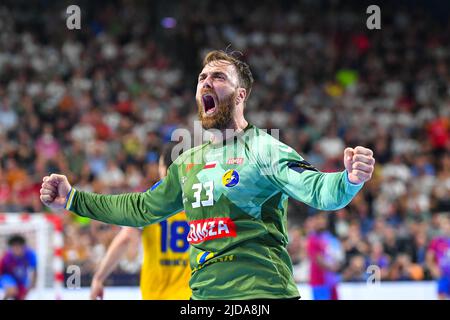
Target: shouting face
[216, 95]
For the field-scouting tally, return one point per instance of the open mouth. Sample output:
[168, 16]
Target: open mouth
[209, 104]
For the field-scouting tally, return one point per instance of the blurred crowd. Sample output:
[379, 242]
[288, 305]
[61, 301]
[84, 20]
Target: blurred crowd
[98, 103]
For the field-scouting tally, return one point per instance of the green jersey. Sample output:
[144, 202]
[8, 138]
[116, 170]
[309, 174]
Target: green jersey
[235, 196]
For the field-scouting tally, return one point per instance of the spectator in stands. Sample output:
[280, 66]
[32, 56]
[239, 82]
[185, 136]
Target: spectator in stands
[356, 271]
[379, 259]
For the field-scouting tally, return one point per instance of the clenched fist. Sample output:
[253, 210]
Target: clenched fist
[359, 163]
[54, 191]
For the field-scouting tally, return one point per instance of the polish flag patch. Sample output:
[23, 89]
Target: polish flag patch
[210, 165]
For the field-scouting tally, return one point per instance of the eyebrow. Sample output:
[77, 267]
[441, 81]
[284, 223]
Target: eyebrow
[214, 74]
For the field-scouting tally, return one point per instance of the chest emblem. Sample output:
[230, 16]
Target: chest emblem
[230, 178]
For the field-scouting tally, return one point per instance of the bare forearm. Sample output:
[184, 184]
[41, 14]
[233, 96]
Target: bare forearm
[115, 252]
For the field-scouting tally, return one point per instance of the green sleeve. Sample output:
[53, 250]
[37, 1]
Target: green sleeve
[131, 209]
[291, 174]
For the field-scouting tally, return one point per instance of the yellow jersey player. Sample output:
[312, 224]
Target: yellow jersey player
[165, 270]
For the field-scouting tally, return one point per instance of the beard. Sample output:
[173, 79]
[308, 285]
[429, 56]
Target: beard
[223, 116]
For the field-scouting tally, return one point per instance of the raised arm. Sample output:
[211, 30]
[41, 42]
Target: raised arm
[131, 209]
[290, 173]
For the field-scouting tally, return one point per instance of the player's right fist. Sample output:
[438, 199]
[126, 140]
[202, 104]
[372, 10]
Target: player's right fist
[54, 191]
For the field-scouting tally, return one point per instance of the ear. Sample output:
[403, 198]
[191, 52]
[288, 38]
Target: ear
[241, 95]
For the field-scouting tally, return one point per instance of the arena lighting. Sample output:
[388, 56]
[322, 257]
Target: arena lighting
[169, 22]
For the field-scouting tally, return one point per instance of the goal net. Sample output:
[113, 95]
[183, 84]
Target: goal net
[43, 234]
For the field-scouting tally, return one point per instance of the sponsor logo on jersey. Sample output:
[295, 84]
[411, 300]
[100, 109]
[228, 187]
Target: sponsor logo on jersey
[210, 165]
[202, 257]
[230, 178]
[228, 258]
[173, 262]
[209, 229]
[235, 161]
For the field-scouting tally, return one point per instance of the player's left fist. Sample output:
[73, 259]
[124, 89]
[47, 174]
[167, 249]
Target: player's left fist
[359, 163]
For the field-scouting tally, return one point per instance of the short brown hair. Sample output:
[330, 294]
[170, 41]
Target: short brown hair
[243, 70]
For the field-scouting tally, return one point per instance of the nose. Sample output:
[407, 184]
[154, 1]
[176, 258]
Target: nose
[207, 83]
